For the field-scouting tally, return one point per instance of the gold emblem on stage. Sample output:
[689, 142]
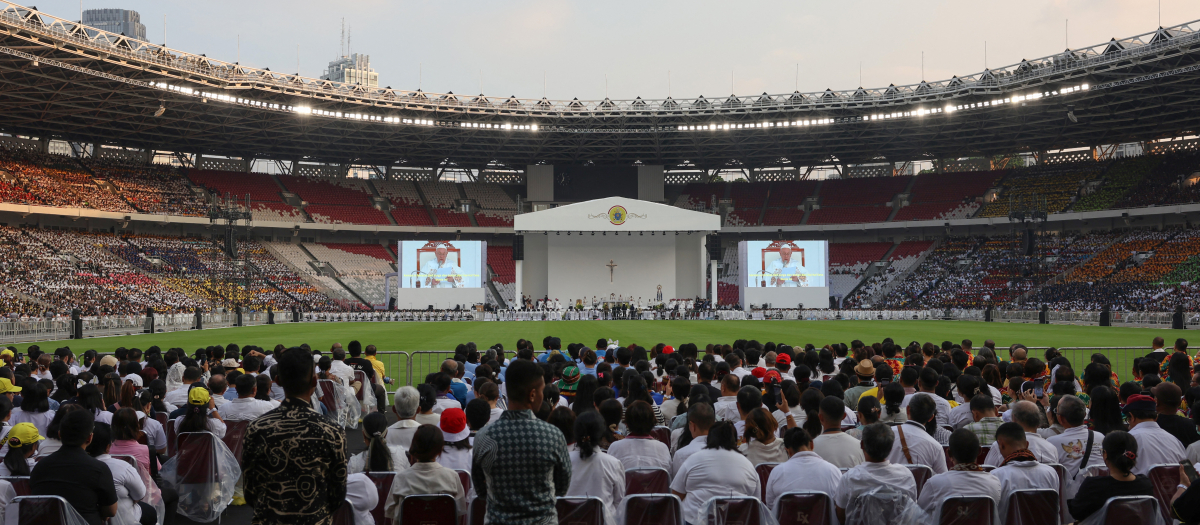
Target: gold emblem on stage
[617, 215]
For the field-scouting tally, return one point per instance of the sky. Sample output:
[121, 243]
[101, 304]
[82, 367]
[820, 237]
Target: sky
[624, 49]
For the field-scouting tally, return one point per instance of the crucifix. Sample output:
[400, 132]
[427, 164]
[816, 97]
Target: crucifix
[611, 266]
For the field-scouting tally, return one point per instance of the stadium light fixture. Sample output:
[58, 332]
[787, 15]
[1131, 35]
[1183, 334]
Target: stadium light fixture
[161, 109]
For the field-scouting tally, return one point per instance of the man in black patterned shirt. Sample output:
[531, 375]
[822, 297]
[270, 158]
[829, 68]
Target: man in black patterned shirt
[294, 459]
[521, 463]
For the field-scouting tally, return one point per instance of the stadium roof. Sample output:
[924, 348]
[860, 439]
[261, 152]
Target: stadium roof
[82, 84]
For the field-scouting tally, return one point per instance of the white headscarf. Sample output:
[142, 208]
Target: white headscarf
[175, 377]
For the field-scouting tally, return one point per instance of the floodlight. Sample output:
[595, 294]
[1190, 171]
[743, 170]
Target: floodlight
[161, 109]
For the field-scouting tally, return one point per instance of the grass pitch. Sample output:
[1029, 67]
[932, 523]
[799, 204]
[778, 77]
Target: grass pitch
[444, 336]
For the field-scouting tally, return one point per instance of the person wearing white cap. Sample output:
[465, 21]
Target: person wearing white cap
[457, 452]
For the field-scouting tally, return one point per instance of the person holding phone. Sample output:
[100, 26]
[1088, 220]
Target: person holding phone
[1185, 504]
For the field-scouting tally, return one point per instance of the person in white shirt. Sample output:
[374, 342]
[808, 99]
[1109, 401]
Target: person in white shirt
[128, 483]
[405, 405]
[735, 367]
[218, 385]
[761, 441]
[445, 400]
[927, 383]
[362, 496]
[339, 368]
[913, 445]
[965, 479]
[960, 416]
[1020, 468]
[456, 454]
[1026, 414]
[379, 456]
[1072, 444]
[803, 471]
[594, 473]
[35, 408]
[21, 444]
[245, 407]
[717, 470]
[1155, 445]
[426, 475]
[876, 471]
[726, 405]
[200, 415]
[179, 396]
[833, 445]
[700, 418]
[639, 449]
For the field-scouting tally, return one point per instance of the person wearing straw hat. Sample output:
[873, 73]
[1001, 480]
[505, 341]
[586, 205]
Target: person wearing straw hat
[865, 370]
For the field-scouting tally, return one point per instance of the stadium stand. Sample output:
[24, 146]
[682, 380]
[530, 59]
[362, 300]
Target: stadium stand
[150, 189]
[359, 266]
[903, 257]
[447, 217]
[1120, 177]
[930, 272]
[440, 194]
[504, 272]
[489, 196]
[317, 191]
[56, 180]
[258, 186]
[330, 214]
[297, 259]
[400, 192]
[789, 194]
[1055, 184]
[494, 218]
[947, 195]
[702, 196]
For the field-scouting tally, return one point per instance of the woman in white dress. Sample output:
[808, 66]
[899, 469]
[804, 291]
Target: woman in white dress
[594, 473]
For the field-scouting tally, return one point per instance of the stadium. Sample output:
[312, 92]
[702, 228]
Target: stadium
[157, 199]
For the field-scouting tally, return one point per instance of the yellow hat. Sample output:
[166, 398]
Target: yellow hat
[6, 353]
[198, 396]
[23, 434]
[6, 386]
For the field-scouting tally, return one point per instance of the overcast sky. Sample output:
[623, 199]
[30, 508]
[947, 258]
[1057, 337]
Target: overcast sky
[710, 48]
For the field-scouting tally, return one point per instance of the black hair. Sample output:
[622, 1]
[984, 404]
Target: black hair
[964, 446]
[522, 376]
[795, 438]
[76, 427]
[589, 431]
[478, 412]
[1105, 411]
[33, 399]
[722, 436]
[1120, 449]
[379, 455]
[101, 439]
[639, 418]
[870, 409]
[893, 397]
[295, 371]
[427, 443]
[564, 420]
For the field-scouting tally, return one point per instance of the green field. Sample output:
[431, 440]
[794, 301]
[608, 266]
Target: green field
[444, 336]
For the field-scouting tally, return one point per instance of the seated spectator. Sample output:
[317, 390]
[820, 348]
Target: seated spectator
[594, 473]
[1157, 445]
[128, 482]
[803, 471]
[868, 413]
[833, 445]
[35, 408]
[429, 414]
[85, 482]
[964, 479]
[1121, 457]
[639, 449]
[246, 407]
[760, 441]
[22, 444]
[456, 454]
[893, 399]
[379, 456]
[726, 405]
[196, 415]
[876, 471]
[968, 387]
[700, 419]
[718, 470]
[362, 496]
[426, 475]
[1167, 398]
[405, 406]
[912, 444]
[1020, 468]
[1026, 414]
[983, 411]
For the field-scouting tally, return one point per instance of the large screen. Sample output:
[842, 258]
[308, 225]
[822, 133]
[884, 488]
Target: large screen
[442, 264]
[786, 264]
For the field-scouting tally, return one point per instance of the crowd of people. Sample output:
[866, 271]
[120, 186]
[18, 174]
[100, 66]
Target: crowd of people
[858, 422]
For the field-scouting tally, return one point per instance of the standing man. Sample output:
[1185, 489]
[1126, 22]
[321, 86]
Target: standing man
[521, 463]
[294, 463]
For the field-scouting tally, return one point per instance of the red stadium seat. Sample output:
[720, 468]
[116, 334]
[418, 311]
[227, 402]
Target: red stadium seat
[171, 438]
[1032, 507]
[653, 509]
[477, 511]
[235, 436]
[344, 515]
[464, 477]
[1124, 510]
[361, 377]
[580, 511]
[968, 510]
[735, 509]
[383, 484]
[921, 473]
[1165, 479]
[327, 396]
[429, 509]
[647, 481]
[812, 508]
[764, 474]
[662, 434]
[1062, 487]
[43, 510]
[20, 484]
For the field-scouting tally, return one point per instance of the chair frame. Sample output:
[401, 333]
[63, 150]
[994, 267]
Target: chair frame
[913, 468]
[625, 513]
[775, 513]
[582, 499]
[19, 499]
[1123, 498]
[995, 507]
[471, 509]
[652, 469]
[1058, 520]
[400, 510]
[707, 504]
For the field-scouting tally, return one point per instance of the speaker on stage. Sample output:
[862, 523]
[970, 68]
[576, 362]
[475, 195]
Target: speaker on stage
[714, 247]
[518, 248]
[1177, 318]
[1029, 243]
[1105, 316]
[392, 304]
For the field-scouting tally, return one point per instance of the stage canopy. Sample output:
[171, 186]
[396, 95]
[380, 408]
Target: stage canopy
[616, 214]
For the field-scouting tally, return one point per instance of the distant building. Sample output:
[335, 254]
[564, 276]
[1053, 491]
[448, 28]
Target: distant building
[352, 69]
[119, 21]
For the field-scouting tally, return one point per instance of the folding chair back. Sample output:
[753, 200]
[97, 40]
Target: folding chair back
[42, 510]
[1165, 479]
[1032, 507]
[968, 510]
[1063, 513]
[169, 427]
[580, 511]
[921, 473]
[464, 477]
[764, 473]
[812, 508]
[196, 461]
[429, 509]
[647, 481]
[1123, 510]
[133, 462]
[235, 436]
[20, 484]
[653, 509]
[344, 515]
[734, 510]
[477, 511]
[327, 397]
[662, 434]
[361, 377]
[161, 417]
[383, 484]
[983, 452]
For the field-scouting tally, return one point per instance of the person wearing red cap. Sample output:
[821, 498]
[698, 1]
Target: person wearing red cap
[783, 363]
[1157, 446]
[457, 452]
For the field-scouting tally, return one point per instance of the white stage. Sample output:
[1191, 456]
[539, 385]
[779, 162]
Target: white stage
[810, 297]
[439, 298]
[614, 247]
